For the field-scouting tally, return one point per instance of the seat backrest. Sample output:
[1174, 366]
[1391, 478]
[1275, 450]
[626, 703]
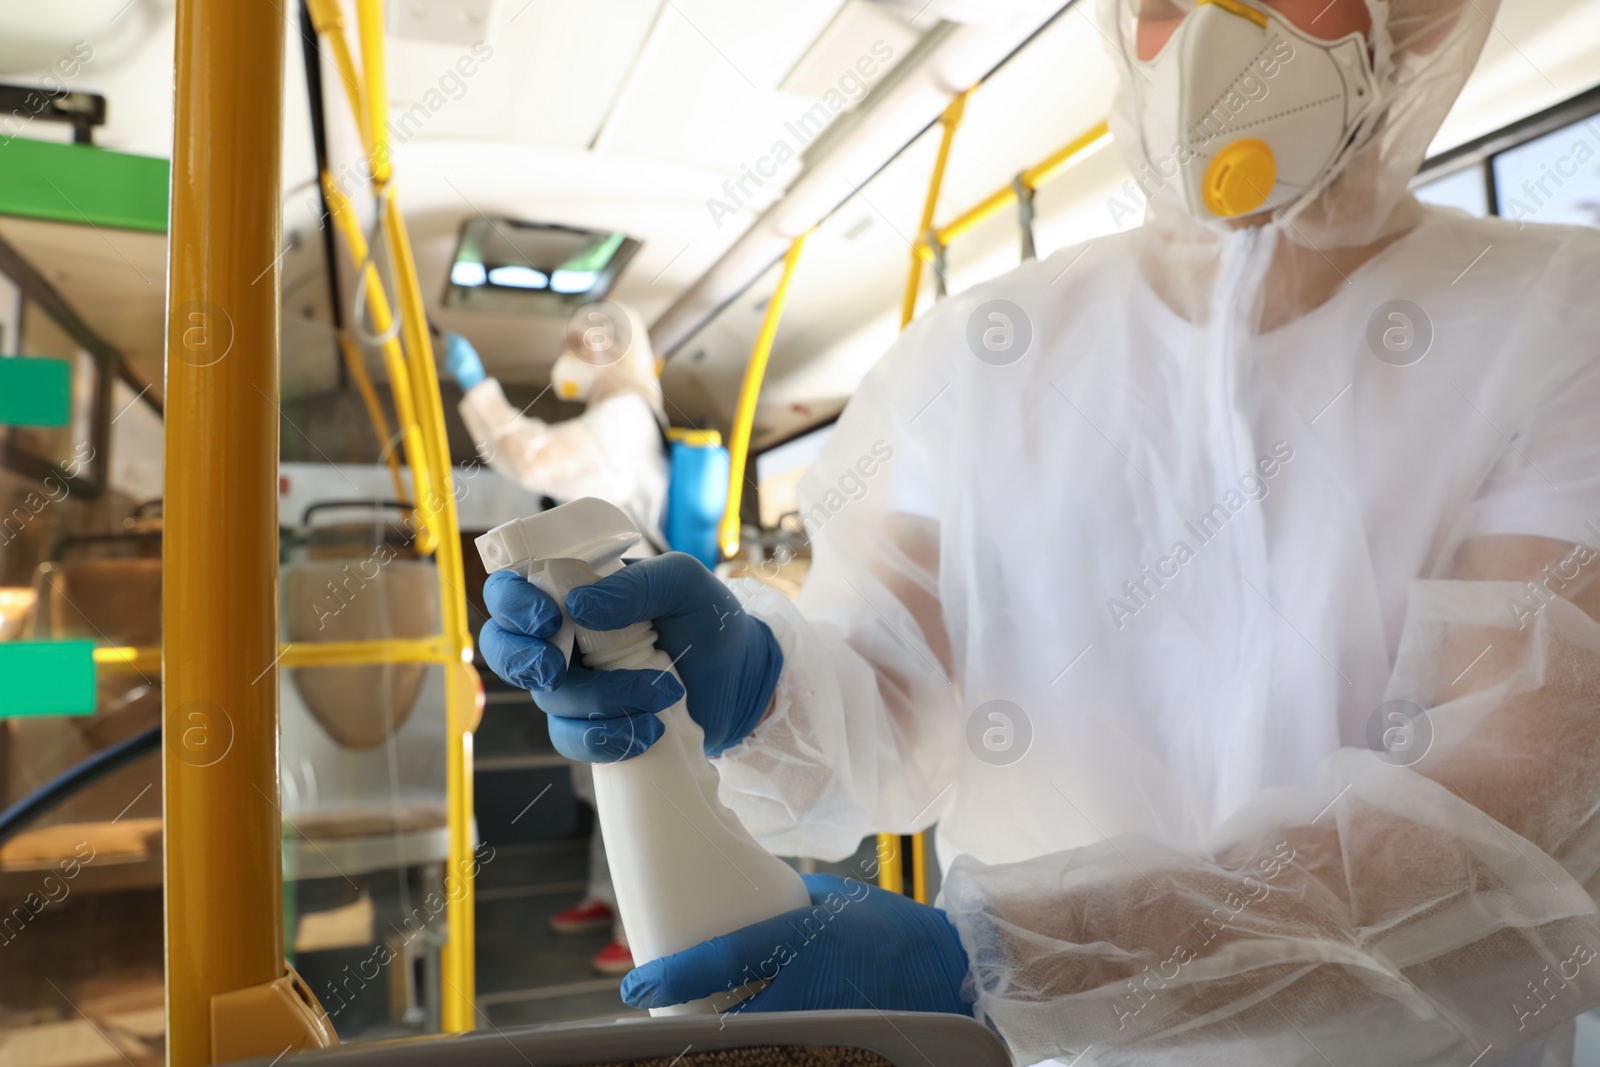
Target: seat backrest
[776, 1039]
[763, 1056]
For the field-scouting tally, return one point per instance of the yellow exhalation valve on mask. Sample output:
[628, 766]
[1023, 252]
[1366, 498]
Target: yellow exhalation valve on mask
[1240, 177]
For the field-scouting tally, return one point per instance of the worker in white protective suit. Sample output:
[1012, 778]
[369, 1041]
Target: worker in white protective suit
[1223, 590]
[614, 451]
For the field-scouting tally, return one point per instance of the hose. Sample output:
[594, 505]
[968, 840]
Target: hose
[77, 777]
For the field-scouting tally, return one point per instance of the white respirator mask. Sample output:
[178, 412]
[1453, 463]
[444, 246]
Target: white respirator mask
[573, 377]
[1243, 112]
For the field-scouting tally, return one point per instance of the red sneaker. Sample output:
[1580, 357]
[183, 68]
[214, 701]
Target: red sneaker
[614, 960]
[585, 917]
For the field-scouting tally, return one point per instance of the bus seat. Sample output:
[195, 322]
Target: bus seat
[776, 1039]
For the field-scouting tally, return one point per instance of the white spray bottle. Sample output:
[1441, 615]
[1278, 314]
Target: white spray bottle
[684, 866]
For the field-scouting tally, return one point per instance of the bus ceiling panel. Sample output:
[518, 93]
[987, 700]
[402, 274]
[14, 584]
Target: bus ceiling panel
[661, 205]
[838, 322]
[1057, 87]
[910, 101]
[855, 264]
[839, 319]
[534, 72]
[503, 130]
[706, 87]
[1540, 53]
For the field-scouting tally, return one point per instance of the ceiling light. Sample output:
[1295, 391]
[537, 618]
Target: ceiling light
[573, 281]
[517, 277]
[468, 274]
[534, 268]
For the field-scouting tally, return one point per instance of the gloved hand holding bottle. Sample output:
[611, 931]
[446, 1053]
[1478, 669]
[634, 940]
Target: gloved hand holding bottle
[728, 659]
[461, 361]
[856, 947]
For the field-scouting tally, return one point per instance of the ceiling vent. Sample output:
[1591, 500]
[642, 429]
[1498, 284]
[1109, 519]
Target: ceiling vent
[534, 267]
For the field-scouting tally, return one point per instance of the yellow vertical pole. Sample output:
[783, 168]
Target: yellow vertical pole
[327, 16]
[950, 121]
[224, 882]
[380, 422]
[459, 961]
[369, 22]
[749, 392]
[891, 871]
[919, 867]
[414, 380]
[394, 361]
[890, 864]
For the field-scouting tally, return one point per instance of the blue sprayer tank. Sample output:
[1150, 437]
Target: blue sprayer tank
[697, 494]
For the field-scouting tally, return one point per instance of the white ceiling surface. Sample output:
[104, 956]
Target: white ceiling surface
[844, 304]
[615, 115]
[631, 115]
[1539, 53]
[129, 61]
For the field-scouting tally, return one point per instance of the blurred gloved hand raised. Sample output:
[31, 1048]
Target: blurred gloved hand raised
[462, 362]
[728, 660]
[856, 947]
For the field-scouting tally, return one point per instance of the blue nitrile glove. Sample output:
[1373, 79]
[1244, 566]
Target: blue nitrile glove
[728, 660]
[462, 361]
[856, 947]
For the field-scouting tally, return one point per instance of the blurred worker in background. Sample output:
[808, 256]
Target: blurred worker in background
[1224, 590]
[614, 451]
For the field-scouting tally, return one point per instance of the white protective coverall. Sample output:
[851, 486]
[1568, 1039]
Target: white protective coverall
[612, 451]
[1197, 538]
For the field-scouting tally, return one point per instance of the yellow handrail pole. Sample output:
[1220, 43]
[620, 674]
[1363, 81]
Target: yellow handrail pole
[135, 660]
[380, 422]
[415, 386]
[224, 880]
[950, 121]
[305, 654]
[744, 415]
[919, 867]
[1046, 169]
[989, 206]
[890, 872]
[459, 955]
[1033, 178]
[327, 16]
[428, 453]
[355, 242]
[423, 374]
[374, 70]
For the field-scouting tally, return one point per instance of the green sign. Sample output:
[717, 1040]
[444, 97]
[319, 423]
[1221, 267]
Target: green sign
[83, 185]
[46, 678]
[35, 392]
